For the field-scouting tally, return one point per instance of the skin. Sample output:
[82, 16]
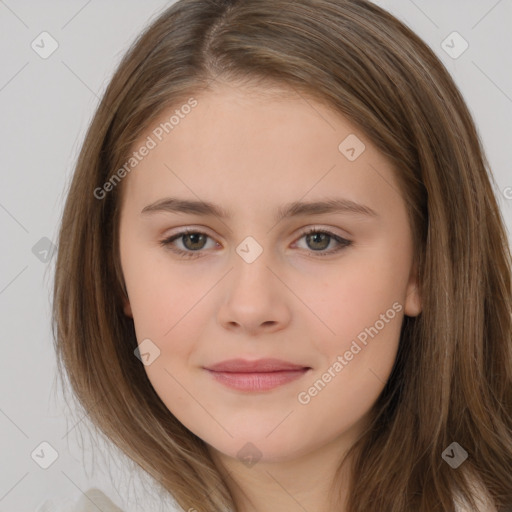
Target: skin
[251, 154]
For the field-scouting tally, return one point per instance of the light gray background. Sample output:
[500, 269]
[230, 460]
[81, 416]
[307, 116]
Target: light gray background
[45, 108]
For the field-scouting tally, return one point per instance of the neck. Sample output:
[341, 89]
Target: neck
[304, 482]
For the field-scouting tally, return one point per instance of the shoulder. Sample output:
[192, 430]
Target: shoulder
[482, 499]
[90, 501]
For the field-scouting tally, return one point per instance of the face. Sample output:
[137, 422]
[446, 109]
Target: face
[322, 288]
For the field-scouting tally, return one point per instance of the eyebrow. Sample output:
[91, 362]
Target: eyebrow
[296, 208]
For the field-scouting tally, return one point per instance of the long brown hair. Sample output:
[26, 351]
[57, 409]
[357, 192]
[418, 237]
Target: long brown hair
[452, 378]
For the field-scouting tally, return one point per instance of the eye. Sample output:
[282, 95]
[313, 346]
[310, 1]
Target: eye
[319, 239]
[193, 241]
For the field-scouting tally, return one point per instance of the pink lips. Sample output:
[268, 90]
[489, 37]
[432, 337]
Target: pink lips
[260, 375]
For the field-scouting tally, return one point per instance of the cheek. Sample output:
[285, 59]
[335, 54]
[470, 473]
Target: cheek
[360, 342]
[350, 299]
[161, 293]
[356, 361]
[168, 304]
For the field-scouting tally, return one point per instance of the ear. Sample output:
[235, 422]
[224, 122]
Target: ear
[413, 304]
[127, 309]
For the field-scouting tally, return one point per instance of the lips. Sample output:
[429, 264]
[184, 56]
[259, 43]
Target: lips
[259, 366]
[256, 376]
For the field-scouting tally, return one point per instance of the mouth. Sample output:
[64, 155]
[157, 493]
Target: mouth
[260, 375]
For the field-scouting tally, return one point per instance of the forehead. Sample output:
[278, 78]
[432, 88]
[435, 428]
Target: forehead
[257, 145]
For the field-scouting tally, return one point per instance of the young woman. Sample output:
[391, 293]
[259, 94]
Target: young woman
[283, 281]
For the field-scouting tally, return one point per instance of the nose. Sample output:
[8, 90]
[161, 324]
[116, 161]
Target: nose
[255, 299]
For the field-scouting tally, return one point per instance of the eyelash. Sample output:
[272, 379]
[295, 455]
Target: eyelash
[167, 242]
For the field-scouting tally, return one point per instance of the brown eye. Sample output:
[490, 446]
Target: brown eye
[194, 241]
[191, 241]
[318, 241]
